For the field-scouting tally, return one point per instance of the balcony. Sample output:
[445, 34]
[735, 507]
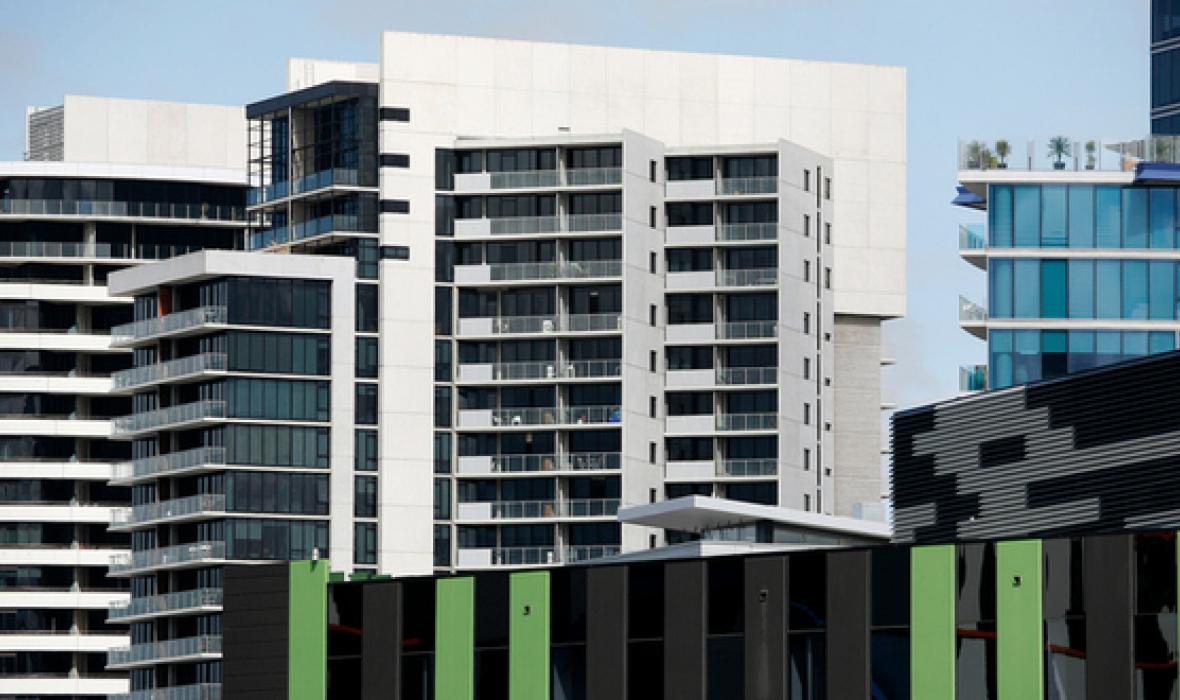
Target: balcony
[185, 648]
[173, 463]
[333, 177]
[175, 323]
[171, 510]
[513, 225]
[545, 370]
[577, 553]
[1065, 153]
[973, 245]
[99, 251]
[747, 375]
[747, 232]
[536, 179]
[536, 509]
[531, 225]
[972, 378]
[747, 467]
[196, 691]
[533, 463]
[174, 557]
[747, 421]
[191, 366]
[170, 417]
[746, 330]
[538, 415]
[972, 317]
[123, 210]
[537, 271]
[513, 325]
[756, 277]
[181, 602]
[747, 185]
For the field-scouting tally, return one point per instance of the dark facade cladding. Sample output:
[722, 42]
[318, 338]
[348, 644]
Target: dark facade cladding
[1072, 617]
[1094, 452]
[1165, 66]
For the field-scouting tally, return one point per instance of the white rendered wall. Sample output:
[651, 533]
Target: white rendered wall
[854, 113]
[141, 132]
[308, 72]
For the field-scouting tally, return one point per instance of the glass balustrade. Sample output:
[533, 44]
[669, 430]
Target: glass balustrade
[172, 415]
[171, 323]
[747, 185]
[747, 421]
[170, 649]
[138, 210]
[172, 369]
[167, 602]
[747, 232]
[166, 556]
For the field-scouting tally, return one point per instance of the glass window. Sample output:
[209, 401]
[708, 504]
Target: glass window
[1081, 289]
[1134, 217]
[1135, 289]
[1053, 291]
[1000, 216]
[1108, 288]
[1163, 217]
[1108, 216]
[1000, 304]
[1109, 347]
[1027, 220]
[366, 404]
[1000, 362]
[1081, 350]
[1161, 341]
[366, 357]
[1134, 344]
[1053, 354]
[1027, 291]
[1027, 361]
[1081, 216]
[1053, 212]
[1162, 298]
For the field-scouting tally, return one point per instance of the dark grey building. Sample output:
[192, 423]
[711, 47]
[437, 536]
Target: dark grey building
[1165, 66]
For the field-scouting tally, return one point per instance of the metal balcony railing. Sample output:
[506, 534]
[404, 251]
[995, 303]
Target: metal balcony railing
[171, 462]
[747, 375]
[179, 321]
[161, 418]
[747, 185]
[138, 210]
[971, 312]
[166, 602]
[747, 232]
[171, 508]
[743, 330]
[519, 556]
[755, 277]
[578, 553]
[164, 556]
[170, 649]
[747, 467]
[196, 691]
[172, 369]
[747, 421]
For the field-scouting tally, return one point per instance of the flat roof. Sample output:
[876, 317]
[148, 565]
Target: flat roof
[698, 513]
[122, 171]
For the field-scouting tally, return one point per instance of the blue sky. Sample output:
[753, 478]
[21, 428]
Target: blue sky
[976, 69]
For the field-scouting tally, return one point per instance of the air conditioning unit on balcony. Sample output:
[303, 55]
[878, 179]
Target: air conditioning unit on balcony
[548, 326]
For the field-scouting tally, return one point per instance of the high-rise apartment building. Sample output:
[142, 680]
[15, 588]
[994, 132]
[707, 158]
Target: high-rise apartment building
[110, 184]
[1080, 251]
[1165, 67]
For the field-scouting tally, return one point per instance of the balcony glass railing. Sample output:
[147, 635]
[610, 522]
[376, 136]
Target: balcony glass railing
[971, 237]
[747, 232]
[172, 323]
[578, 415]
[756, 277]
[747, 375]
[747, 421]
[743, 330]
[576, 461]
[348, 177]
[594, 222]
[166, 556]
[167, 602]
[503, 272]
[105, 251]
[747, 185]
[196, 691]
[170, 649]
[138, 210]
[172, 462]
[172, 415]
[587, 552]
[971, 312]
[973, 378]
[551, 508]
[576, 177]
[521, 556]
[578, 323]
[747, 467]
[172, 508]
[578, 369]
[521, 179]
[511, 225]
[591, 322]
[172, 369]
[1066, 153]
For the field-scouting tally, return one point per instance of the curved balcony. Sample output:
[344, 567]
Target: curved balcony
[169, 418]
[175, 323]
[175, 509]
[174, 557]
[180, 368]
[178, 603]
[183, 649]
[196, 459]
[747, 421]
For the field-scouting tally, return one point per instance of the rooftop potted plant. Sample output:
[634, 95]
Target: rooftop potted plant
[1002, 150]
[974, 155]
[1091, 148]
[1161, 151]
[1059, 150]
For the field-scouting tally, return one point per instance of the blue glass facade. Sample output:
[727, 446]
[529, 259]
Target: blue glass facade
[1058, 285]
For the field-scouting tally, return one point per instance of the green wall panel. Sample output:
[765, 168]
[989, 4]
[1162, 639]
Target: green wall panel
[308, 629]
[454, 629]
[932, 622]
[528, 636]
[1020, 646]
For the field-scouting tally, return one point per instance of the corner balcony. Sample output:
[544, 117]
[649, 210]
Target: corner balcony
[191, 367]
[202, 648]
[175, 324]
[195, 691]
[537, 271]
[972, 379]
[575, 508]
[973, 245]
[538, 463]
[972, 318]
[178, 603]
[170, 418]
[541, 324]
[172, 464]
[171, 511]
[552, 370]
[180, 556]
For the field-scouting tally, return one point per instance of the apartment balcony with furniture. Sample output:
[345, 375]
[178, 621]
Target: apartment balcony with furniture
[536, 415]
[545, 324]
[537, 271]
[551, 370]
